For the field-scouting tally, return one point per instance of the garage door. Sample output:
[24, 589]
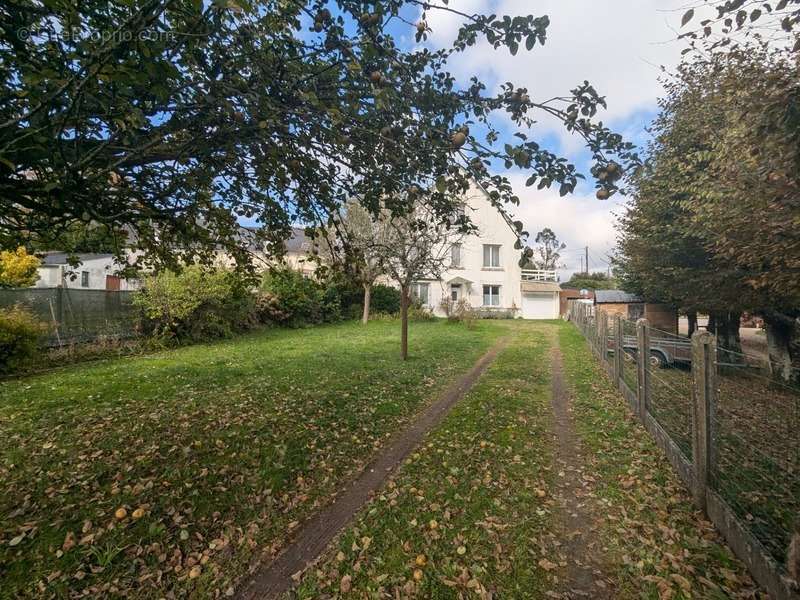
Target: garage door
[539, 306]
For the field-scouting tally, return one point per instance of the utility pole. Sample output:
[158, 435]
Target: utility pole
[587, 260]
[581, 264]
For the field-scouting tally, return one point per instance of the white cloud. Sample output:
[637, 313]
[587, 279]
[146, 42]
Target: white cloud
[577, 220]
[617, 45]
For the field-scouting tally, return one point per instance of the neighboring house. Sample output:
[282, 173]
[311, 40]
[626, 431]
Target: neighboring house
[485, 270]
[629, 306]
[95, 272]
[101, 272]
[297, 252]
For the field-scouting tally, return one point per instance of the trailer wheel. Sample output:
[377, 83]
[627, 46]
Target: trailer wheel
[658, 360]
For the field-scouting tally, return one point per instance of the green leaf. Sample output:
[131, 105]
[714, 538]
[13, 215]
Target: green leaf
[530, 42]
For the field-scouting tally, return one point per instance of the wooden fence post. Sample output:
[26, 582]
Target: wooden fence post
[703, 396]
[643, 360]
[618, 337]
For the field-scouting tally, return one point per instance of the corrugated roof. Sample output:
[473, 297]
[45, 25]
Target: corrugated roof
[615, 297]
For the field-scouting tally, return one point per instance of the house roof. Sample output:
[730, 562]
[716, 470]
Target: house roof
[297, 242]
[60, 258]
[615, 297]
[460, 281]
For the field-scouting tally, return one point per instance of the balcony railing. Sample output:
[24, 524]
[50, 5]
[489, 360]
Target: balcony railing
[538, 275]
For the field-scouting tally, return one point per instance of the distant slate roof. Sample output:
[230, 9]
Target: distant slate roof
[615, 297]
[298, 242]
[60, 258]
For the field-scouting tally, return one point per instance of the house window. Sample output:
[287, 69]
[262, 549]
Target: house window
[491, 295]
[420, 292]
[491, 256]
[84, 278]
[455, 256]
[455, 292]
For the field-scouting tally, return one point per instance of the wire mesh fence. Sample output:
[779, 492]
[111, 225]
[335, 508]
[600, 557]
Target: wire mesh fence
[753, 459]
[670, 397]
[76, 315]
[628, 368]
[756, 429]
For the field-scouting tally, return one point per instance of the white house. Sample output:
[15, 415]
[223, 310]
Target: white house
[485, 270]
[95, 272]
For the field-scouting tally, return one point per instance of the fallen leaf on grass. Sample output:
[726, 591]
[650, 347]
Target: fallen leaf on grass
[547, 565]
[345, 585]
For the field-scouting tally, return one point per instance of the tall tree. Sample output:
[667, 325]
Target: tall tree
[547, 253]
[174, 118]
[591, 281]
[710, 228]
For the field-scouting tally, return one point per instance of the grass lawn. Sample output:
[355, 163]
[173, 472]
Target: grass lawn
[474, 512]
[462, 516]
[170, 472]
[658, 545]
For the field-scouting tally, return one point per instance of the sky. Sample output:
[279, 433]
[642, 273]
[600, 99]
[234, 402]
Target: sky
[622, 47]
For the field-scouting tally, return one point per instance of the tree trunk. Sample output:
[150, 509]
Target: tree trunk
[404, 322]
[725, 326]
[783, 346]
[692, 317]
[793, 554]
[367, 297]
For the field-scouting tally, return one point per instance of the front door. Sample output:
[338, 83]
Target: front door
[455, 292]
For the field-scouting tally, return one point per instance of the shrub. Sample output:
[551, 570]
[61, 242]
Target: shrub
[299, 300]
[495, 313]
[196, 304]
[385, 299]
[417, 312]
[459, 312]
[268, 309]
[18, 268]
[19, 338]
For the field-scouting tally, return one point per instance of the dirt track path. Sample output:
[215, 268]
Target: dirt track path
[584, 564]
[312, 539]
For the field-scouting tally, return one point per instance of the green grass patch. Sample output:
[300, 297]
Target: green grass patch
[659, 546]
[463, 514]
[213, 451]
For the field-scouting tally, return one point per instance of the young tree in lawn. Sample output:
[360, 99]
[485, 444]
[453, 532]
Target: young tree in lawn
[353, 249]
[171, 120]
[413, 246]
[547, 254]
